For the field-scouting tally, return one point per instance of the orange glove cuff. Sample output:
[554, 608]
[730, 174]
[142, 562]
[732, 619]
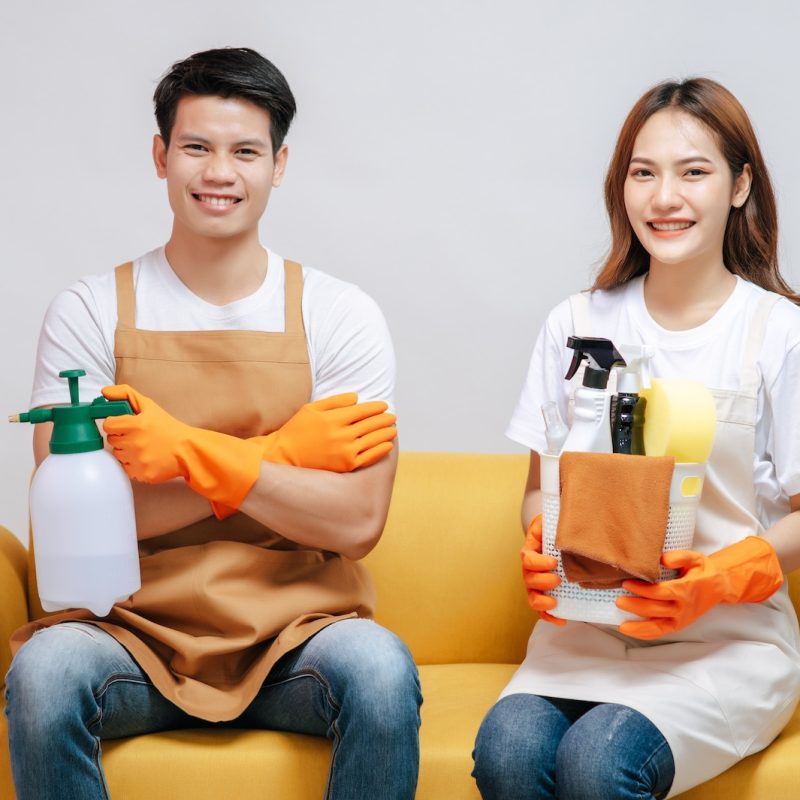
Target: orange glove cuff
[751, 568]
[745, 572]
[154, 447]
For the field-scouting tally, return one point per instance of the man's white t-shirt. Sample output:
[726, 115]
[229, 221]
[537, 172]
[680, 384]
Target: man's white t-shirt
[348, 341]
[711, 353]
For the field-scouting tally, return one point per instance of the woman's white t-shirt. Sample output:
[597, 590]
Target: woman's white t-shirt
[710, 353]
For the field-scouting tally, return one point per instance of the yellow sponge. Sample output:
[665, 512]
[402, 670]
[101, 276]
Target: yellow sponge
[680, 419]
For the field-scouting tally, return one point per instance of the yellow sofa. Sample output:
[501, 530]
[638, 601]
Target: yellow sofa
[448, 580]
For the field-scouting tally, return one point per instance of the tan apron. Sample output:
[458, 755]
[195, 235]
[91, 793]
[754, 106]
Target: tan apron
[726, 685]
[222, 601]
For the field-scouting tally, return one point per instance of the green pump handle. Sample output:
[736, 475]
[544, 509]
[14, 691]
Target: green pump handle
[74, 429]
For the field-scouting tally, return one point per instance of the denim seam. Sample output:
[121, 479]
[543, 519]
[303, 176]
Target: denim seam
[337, 737]
[98, 767]
[97, 720]
[334, 750]
[308, 673]
[116, 677]
[644, 766]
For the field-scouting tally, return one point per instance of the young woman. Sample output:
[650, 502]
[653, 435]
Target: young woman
[710, 670]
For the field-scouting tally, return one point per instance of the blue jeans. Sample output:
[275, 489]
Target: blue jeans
[72, 686]
[532, 748]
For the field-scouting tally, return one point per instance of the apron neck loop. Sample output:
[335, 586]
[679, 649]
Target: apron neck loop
[126, 304]
[293, 297]
[749, 373]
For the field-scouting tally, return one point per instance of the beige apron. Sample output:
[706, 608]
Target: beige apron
[221, 601]
[725, 686]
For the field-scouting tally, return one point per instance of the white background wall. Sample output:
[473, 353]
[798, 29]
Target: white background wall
[448, 156]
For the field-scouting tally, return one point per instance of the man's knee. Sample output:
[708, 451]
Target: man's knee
[371, 668]
[54, 669]
[50, 659]
[362, 648]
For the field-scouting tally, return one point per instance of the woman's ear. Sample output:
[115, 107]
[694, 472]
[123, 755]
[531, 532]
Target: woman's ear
[741, 186]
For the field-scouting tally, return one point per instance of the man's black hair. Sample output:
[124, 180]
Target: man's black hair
[227, 72]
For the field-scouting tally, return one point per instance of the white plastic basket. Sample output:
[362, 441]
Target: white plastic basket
[598, 605]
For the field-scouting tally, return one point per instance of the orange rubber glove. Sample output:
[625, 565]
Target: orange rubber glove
[154, 447]
[537, 573]
[336, 433]
[745, 572]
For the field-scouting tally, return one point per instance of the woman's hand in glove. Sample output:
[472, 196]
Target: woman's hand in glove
[537, 573]
[745, 572]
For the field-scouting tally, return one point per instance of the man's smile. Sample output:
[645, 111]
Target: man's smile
[217, 200]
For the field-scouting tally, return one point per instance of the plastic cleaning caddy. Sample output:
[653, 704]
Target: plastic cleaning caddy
[598, 605]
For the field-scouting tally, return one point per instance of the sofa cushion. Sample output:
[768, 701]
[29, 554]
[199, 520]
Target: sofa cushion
[207, 763]
[204, 763]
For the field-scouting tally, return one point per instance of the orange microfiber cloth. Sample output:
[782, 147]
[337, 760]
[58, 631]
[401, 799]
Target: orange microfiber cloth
[613, 517]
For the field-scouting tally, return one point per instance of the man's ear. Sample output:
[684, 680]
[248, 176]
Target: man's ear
[160, 156]
[281, 157]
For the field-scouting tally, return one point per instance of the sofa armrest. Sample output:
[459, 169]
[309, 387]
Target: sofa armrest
[13, 593]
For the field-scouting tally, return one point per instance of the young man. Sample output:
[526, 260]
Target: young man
[245, 372]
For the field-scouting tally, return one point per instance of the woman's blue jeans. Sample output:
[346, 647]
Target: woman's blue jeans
[532, 748]
[72, 686]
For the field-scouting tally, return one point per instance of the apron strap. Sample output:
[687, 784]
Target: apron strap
[581, 314]
[293, 309]
[126, 303]
[749, 372]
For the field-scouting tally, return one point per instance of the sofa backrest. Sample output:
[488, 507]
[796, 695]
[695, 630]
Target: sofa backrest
[447, 569]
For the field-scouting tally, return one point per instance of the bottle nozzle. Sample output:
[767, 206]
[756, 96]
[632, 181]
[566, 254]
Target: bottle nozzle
[601, 354]
[555, 431]
[72, 376]
[639, 358]
[35, 415]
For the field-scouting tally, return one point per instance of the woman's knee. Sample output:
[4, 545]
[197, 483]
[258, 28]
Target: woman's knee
[515, 748]
[614, 752]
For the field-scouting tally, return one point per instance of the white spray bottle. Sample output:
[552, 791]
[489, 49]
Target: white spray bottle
[591, 426]
[81, 504]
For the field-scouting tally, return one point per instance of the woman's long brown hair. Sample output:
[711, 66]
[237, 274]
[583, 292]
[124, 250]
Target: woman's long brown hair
[750, 247]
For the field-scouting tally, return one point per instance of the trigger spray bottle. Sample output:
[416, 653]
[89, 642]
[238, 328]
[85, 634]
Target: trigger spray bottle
[81, 506]
[628, 407]
[591, 426]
